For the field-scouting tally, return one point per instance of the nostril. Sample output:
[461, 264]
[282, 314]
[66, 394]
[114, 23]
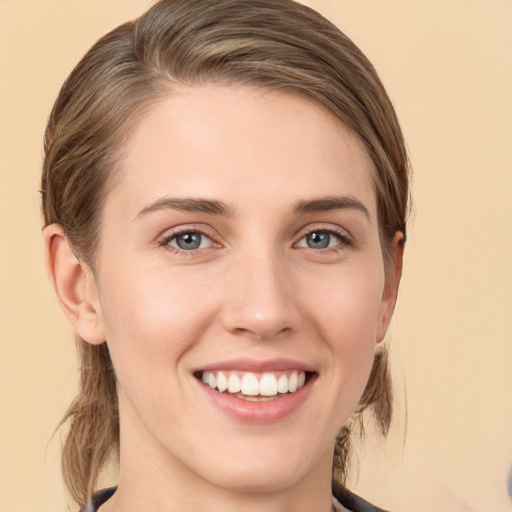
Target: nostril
[262, 333]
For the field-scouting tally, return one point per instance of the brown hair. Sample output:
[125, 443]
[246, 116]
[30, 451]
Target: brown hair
[276, 44]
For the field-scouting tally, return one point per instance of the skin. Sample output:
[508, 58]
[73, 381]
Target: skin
[254, 289]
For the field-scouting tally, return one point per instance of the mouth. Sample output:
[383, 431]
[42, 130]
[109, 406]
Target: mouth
[255, 386]
[257, 391]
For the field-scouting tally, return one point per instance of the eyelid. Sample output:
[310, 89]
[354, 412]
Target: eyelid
[169, 234]
[343, 235]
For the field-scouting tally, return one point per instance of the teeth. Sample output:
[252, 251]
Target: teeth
[282, 384]
[292, 382]
[222, 382]
[252, 384]
[234, 385]
[268, 385]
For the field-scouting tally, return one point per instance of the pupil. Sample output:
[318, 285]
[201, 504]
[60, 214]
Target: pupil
[189, 241]
[318, 240]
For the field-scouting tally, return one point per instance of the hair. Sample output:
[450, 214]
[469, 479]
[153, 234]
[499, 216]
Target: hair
[275, 44]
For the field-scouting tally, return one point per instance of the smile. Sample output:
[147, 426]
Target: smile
[254, 386]
[257, 392]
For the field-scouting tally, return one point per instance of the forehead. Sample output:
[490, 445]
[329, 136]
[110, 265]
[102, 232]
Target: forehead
[241, 143]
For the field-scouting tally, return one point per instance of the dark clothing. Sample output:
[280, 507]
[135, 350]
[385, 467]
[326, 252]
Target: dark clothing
[99, 498]
[346, 498]
[351, 501]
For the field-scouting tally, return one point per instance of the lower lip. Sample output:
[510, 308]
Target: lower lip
[259, 412]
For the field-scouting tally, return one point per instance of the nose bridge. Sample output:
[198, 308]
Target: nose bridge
[260, 299]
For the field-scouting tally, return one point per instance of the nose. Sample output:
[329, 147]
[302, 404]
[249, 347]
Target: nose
[259, 301]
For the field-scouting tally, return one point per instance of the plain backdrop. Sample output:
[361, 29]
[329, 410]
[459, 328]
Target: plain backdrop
[448, 68]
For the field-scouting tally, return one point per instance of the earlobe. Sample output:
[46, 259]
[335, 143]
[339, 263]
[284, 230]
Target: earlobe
[74, 285]
[390, 293]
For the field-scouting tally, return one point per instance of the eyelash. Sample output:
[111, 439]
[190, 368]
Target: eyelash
[343, 238]
[168, 238]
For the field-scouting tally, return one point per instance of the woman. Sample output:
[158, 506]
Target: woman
[224, 191]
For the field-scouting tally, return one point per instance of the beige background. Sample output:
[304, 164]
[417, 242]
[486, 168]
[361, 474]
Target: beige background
[448, 67]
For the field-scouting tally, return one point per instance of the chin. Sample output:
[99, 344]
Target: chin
[262, 469]
[258, 480]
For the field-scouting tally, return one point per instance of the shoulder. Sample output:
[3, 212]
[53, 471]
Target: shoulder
[352, 502]
[98, 499]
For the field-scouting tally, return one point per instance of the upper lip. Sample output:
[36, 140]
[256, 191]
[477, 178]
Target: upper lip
[257, 366]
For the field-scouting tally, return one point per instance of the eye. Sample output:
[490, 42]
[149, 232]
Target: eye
[188, 241]
[322, 239]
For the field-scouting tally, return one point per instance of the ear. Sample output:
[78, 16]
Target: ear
[390, 292]
[74, 284]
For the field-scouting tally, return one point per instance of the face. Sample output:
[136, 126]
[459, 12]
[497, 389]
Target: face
[241, 286]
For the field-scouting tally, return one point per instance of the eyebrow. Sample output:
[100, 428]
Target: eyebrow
[323, 204]
[211, 206]
[199, 205]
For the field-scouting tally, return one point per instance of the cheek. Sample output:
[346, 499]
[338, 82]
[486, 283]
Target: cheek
[151, 318]
[347, 309]
[346, 303]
